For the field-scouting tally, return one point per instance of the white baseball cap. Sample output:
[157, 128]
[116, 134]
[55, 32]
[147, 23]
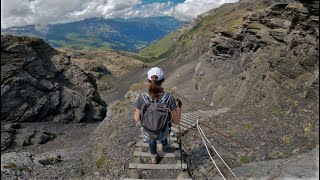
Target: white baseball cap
[155, 71]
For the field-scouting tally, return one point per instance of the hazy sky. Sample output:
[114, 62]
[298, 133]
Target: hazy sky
[43, 12]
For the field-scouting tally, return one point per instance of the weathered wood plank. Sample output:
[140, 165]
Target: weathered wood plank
[157, 166]
[172, 139]
[191, 120]
[143, 144]
[192, 116]
[176, 129]
[189, 115]
[183, 123]
[160, 154]
[181, 127]
[192, 124]
[155, 179]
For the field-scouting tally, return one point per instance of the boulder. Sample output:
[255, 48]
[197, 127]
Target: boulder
[17, 165]
[6, 140]
[39, 84]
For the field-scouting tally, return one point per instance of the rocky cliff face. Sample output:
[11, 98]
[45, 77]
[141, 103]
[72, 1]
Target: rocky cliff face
[40, 84]
[260, 59]
[273, 58]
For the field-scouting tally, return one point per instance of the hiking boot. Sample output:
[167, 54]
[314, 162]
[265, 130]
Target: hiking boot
[154, 158]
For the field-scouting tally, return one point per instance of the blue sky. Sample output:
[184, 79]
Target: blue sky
[43, 12]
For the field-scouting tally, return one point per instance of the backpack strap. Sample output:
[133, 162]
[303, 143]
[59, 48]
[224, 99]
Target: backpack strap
[168, 98]
[145, 97]
[165, 99]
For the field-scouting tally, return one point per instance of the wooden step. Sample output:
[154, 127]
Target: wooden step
[185, 124]
[155, 179]
[181, 127]
[182, 124]
[176, 129]
[191, 120]
[192, 116]
[172, 139]
[143, 144]
[189, 116]
[192, 124]
[157, 166]
[160, 154]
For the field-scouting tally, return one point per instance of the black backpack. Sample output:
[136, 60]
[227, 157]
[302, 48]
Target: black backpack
[155, 114]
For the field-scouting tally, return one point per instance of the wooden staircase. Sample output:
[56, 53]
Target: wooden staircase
[188, 121]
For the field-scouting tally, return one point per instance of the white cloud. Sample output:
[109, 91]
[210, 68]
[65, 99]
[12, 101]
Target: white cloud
[26, 12]
[192, 8]
[153, 9]
[43, 12]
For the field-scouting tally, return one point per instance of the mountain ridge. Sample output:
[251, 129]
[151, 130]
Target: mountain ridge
[98, 33]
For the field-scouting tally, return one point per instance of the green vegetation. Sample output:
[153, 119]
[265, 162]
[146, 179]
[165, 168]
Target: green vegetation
[137, 86]
[28, 142]
[287, 139]
[101, 162]
[74, 41]
[244, 159]
[161, 49]
[82, 173]
[308, 128]
[225, 19]
[254, 25]
[248, 127]
[285, 154]
[277, 112]
[10, 166]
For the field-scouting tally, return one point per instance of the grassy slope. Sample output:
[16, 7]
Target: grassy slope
[160, 49]
[228, 18]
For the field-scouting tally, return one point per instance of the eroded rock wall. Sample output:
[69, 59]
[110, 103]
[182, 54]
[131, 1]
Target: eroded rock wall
[271, 62]
[40, 84]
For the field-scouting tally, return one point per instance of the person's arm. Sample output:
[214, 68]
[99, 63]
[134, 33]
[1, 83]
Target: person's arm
[136, 116]
[176, 116]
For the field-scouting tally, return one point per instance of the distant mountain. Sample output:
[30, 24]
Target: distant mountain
[97, 33]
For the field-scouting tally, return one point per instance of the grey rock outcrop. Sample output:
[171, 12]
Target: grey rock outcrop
[268, 74]
[40, 84]
[8, 132]
[275, 53]
[260, 59]
[14, 165]
[25, 165]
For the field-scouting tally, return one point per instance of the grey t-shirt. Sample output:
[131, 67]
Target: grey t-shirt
[171, 103]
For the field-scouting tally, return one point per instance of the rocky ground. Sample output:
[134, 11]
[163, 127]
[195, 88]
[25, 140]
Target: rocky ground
[101, 150]
[38, 84]
[62, 156]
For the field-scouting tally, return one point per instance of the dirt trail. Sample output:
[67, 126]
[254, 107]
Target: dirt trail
[123, 85]
[178, 81]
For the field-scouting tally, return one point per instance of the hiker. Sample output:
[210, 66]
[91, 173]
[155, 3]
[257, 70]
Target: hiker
[146, 111]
